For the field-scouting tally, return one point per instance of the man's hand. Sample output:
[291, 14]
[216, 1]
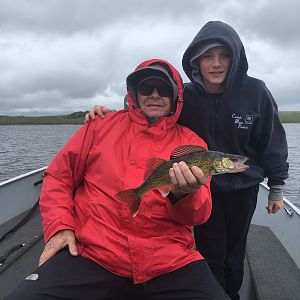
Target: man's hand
[185, 180]
[58, 241]
[99, 110]
[274, 206]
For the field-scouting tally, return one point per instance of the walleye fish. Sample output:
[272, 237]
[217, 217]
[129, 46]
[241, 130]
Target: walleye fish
[157, 171]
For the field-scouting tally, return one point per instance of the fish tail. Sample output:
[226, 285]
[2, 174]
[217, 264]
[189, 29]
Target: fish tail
[131, 197]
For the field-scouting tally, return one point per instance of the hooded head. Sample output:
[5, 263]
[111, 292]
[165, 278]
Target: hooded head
[155, 69]
[214, 34]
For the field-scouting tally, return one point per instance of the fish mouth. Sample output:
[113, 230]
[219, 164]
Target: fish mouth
[241, 168]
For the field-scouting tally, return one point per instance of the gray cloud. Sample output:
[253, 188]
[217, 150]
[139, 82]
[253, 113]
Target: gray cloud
[60, 56]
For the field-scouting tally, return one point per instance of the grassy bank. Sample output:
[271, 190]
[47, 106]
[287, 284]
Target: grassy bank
[78, 118]
[289, 116]
[74, 118]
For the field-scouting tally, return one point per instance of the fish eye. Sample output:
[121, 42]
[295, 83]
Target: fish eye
[234, 159]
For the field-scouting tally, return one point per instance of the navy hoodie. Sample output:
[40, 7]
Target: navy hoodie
[242, 120]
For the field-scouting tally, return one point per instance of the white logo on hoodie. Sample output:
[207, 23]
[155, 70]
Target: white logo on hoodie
[242, 122]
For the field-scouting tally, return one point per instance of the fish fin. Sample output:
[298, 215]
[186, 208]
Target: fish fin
[164, 190]
[131, 198]
[152, 165]
[186, 149]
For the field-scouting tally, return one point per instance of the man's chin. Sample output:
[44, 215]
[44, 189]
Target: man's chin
[152, 119]
[154, 114]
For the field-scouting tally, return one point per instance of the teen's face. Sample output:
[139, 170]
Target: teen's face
[214, 65]
[154, 98]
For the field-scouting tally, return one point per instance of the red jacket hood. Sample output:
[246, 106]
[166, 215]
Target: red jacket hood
[136, 113]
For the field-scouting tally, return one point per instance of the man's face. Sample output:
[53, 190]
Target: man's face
[214, 65]
[154, 98]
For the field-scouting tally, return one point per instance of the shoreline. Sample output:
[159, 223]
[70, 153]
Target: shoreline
[78, 118]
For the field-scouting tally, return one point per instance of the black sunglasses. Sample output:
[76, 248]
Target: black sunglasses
[147, 87]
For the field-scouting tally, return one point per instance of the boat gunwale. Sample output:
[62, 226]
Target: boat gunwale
[19, 177]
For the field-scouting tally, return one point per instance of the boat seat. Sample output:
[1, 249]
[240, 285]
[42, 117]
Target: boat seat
[274, 273]
[16, 261]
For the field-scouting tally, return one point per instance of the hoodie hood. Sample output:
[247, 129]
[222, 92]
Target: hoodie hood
[220, 33]
[153, 68]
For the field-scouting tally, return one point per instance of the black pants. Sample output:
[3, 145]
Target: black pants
[67, 277]
[222, 239]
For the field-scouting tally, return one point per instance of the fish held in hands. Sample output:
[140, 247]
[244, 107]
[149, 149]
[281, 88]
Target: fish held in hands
[157, 171]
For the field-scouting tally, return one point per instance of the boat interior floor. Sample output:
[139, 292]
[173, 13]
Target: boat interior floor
[273, 273]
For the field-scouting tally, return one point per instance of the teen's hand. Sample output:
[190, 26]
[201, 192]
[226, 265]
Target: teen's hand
[274, 206]
[99, 110]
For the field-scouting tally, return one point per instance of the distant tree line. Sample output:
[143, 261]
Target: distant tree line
[77, 114]
[78, 118]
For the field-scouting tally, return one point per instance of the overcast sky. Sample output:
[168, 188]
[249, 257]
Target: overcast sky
[61, 56]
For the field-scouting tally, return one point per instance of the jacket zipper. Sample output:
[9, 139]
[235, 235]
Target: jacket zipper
[217, 117]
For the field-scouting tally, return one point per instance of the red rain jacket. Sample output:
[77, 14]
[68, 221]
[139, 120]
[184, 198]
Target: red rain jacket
[108, 156]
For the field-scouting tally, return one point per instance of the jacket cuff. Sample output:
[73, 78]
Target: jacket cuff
[272, 182]
[173, 199]
[64, 222]
[275, 192]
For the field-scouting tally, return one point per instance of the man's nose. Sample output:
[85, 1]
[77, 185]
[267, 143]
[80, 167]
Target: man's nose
[155, 93]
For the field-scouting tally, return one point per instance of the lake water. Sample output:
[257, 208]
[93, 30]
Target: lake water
[28, 147]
